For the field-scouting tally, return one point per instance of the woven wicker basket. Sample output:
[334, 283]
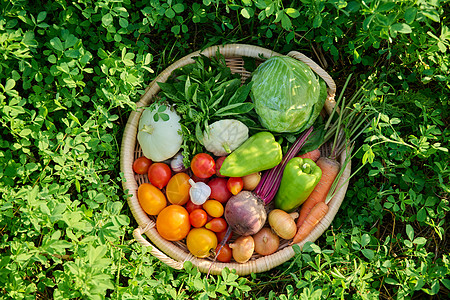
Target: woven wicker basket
[174, 254]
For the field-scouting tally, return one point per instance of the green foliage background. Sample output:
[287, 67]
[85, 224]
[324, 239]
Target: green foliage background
[70, 73]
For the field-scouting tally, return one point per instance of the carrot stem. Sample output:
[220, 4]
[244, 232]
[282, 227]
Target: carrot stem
[337, 102]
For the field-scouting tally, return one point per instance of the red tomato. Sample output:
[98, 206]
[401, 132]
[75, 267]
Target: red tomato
[217, 225]
[141, 165]
[203, 165]
[225, 253]
[159, 174]
[219, 190]
[219, 163]
[198, 217]
[190, 206]
[172, 223]
[235, 185]
[221, 235]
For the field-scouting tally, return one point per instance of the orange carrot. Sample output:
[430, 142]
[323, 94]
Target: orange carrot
[317, 213]
[330, 169]
[313, 155]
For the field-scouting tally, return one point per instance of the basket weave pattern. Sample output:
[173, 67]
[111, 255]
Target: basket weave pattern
[174, 254]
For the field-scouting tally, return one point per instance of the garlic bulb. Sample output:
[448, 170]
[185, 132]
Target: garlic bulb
[224, 136]
[199, 192]
[159, 133]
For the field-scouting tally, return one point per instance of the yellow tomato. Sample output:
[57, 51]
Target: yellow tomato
[177, 190]
[201, 242]
[151, 199]
[173, 223]
[214, 208]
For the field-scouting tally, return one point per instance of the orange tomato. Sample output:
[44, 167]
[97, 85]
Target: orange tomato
[201, 242]
[177, 190]
[172, 223]
[151, 199]
[214, 208]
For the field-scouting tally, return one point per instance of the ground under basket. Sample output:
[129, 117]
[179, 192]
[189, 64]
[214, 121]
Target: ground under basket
[174, 254]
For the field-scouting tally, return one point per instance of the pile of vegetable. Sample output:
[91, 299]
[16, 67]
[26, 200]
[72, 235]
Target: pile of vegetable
[216, 153]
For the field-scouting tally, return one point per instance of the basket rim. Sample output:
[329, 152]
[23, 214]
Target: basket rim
[169, 252]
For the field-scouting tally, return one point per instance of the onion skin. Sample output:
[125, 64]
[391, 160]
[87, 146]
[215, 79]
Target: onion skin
[243, 248]
[251, 181]
[266, 241]
[282, 223]
[245, 213]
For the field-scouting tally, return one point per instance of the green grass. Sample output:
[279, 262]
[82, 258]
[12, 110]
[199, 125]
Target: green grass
[70, 73]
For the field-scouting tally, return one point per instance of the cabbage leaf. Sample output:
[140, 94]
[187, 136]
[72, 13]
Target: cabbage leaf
[287, 94]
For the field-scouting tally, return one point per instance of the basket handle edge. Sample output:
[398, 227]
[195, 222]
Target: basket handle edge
[137, 234]
[330, 103]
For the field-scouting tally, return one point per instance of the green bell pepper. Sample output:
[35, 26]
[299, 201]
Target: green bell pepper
[300, 177]
[259, 152]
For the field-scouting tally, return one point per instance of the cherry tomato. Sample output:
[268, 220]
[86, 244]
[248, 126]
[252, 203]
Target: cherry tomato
[217, 225]
[198, 217]
[235, 185]
[159, 174]
[221, 235]
[141, 165]
[214, 208]
[219, 163]
[203, 165]
[177, 190]
[201, 242]
[172, 223]
[225, 253]
[190, 206]
[151, 199]
[219, 190]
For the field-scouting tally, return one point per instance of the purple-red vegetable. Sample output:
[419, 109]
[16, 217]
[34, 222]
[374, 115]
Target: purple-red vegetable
[245, 212]
[239, 216]
[270, 181]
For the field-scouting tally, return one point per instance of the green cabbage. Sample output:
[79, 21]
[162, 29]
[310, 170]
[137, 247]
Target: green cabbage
[287, 94]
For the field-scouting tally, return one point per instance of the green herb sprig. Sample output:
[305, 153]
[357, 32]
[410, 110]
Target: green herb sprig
[202, 93]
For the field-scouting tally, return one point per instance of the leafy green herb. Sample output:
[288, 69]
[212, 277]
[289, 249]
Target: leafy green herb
[160, 114]
[202, 93]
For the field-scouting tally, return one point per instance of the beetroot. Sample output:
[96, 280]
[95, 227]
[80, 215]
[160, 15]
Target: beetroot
[245, 213]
